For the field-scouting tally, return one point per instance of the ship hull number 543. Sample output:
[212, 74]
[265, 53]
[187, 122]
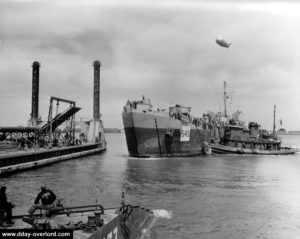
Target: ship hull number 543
[113, 234]
[185, 133]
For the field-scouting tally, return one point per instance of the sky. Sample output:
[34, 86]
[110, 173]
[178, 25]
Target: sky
[165, 50]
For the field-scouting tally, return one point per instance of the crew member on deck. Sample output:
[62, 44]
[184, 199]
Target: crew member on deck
[6, 206]
[47, 198]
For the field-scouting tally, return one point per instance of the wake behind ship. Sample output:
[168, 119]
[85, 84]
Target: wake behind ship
[160, 133]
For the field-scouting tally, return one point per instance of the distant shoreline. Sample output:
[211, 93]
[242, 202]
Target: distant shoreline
[117, 130]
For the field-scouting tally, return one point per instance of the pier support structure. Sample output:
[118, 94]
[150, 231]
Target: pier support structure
[34, 120]
[95, 131]
[38, 135]
[96, 102]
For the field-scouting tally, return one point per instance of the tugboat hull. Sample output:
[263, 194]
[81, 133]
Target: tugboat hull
[223, 149]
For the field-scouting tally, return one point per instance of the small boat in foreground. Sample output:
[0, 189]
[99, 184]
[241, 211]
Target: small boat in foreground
[89, 221]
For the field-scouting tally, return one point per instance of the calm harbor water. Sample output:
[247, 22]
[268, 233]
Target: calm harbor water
[224, 196]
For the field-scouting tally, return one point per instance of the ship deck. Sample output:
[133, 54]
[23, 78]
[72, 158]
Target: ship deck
[12, 150]
[13, 160]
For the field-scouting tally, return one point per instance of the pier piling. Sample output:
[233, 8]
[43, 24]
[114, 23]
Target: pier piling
[35, 93]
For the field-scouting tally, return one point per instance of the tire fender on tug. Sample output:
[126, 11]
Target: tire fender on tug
[206, 149]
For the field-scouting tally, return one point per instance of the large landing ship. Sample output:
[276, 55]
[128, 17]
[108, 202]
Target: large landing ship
[166, 133]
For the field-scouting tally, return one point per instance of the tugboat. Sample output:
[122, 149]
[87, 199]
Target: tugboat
[238, 138]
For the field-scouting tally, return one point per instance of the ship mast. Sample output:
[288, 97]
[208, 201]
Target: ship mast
[225, 99]
[274, 119]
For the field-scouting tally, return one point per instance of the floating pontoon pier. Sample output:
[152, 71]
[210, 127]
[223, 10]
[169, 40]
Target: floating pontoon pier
[42, 143]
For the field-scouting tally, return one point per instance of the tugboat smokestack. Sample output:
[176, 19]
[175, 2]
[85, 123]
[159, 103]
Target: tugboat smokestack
[96, 108]
[35, 92]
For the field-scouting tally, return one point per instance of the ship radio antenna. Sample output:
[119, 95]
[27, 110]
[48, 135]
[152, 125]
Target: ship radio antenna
[225, 99]
[226, 96]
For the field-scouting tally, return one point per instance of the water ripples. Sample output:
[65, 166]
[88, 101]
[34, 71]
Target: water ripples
[216, 197]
